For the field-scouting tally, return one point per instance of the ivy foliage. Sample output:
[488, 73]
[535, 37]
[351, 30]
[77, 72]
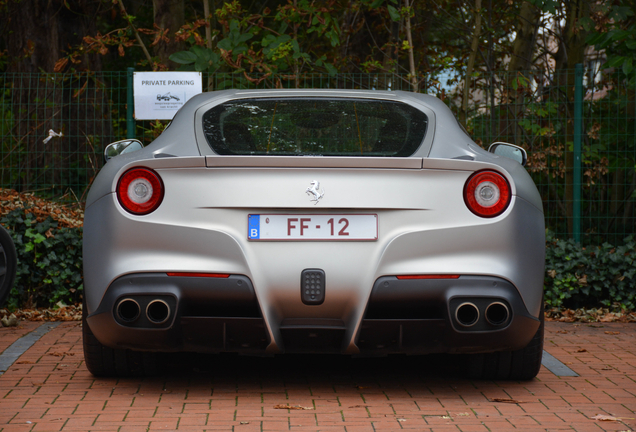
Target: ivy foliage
[49, 261]
[579, 276]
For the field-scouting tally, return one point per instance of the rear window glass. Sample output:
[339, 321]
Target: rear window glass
[319, 126]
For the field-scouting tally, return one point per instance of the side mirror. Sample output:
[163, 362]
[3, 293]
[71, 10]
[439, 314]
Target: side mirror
[121, 147]
[510, 151]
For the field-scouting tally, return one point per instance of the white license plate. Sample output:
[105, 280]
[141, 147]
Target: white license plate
[312, 227]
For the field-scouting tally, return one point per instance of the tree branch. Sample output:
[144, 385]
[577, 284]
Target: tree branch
[409, 39]
[141, 43]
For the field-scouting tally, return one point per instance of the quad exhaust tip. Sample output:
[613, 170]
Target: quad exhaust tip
[128, 310]
[158, 311]
[467, 314]
[497, 314]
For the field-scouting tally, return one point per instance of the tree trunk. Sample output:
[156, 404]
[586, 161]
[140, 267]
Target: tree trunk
[526, 28]
[169, 15]
[525, 40]
[471, 61]
[32, 39]
[38, 32]
[571, 52]
[208, 27]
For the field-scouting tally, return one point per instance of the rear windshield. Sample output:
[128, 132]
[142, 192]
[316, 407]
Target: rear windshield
[318, 126]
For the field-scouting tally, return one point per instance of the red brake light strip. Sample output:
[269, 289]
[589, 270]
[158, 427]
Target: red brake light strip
[428, 276]
[194, 274]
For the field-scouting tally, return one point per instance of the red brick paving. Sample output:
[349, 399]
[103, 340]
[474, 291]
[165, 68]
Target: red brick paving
[49, 389]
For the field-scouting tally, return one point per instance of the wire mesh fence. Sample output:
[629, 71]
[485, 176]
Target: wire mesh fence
[594, 134]
[54, 128]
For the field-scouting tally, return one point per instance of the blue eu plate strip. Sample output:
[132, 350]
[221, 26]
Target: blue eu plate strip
[253, 227]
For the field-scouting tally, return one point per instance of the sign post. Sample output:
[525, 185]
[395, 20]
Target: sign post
[159, 95]
[130, 103]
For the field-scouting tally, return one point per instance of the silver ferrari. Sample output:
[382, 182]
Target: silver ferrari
[314, 221]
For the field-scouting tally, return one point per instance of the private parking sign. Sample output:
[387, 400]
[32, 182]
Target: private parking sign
[159, 95]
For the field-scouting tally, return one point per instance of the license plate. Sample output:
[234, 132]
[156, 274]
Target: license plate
[314, 227]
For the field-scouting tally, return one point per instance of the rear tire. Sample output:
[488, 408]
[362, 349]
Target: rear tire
[108, 362]
[521, 364]
[8, 264]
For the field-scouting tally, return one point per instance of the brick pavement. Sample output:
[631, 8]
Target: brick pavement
[49, 389]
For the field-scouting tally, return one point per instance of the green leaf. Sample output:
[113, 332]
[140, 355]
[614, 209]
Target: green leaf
[596, 38]
[627, 66]
[615, 61]
[331, 69]
[201, 65]
[395, 15]
[183, 57]
[201, 52]
[245, 37]
[225, 44]
[268, 40]
[631, 44]
[619, 35]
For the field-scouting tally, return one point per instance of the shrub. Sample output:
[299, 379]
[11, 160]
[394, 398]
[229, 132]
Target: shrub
[579, 276]
[50, 267]
[49, 260]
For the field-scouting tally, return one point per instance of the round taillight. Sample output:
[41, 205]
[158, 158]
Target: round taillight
[140, 191]
[487, 193]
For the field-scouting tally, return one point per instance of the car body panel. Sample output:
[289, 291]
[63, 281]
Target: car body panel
[424, 227]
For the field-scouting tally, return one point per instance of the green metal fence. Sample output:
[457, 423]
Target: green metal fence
[87, 109]
[578, 127]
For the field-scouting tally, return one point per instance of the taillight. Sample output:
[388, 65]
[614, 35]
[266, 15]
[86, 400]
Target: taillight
[140, 191]
[487, 193]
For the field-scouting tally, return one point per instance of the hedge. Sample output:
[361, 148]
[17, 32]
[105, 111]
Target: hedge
[50, 268]
[579, 276]
[49, 261]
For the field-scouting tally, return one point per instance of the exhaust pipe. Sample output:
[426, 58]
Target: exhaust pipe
[128, 310]
[497, 313]
[158, 311]
[467, 314]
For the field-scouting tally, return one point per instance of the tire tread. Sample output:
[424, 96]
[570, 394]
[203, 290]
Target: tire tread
[522, 364]
[107, 362]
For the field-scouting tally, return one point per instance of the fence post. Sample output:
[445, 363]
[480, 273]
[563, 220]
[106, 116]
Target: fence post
[130, 106]
[578, 128]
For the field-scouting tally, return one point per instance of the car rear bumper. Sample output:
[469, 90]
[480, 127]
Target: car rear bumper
[222, 314]
[467, 314]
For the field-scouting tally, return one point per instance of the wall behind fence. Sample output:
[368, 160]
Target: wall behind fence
[534, 109]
